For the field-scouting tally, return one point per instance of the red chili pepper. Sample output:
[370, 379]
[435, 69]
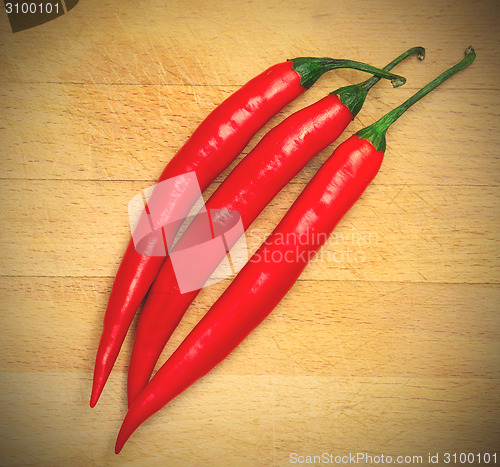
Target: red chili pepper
[278, 157]
[272, 271]
[211, 148]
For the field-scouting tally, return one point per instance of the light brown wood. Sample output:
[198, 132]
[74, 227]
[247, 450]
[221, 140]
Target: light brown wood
[388, 343]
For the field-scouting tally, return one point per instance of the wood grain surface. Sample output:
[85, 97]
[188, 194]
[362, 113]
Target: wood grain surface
[388, 344]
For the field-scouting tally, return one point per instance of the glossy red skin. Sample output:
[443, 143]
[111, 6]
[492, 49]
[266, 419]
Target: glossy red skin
[255, 181]
[261, 285]
[213, 146]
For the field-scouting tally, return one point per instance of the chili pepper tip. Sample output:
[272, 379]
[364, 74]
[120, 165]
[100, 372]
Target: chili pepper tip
[122, 439]
[97, 387]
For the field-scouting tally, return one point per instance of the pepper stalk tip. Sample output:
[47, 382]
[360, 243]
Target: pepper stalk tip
[470, 50]
[396, 83]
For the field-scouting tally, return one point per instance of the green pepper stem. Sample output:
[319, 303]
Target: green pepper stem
[354, 96]
[370, 82]
[375, 133]
[310, 69]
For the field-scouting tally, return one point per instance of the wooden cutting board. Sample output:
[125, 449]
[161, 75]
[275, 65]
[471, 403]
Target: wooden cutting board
[387, 345]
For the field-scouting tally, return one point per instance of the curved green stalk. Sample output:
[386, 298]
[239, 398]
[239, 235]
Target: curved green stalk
[354, 96]
[375, 133]
[311, 68]
[370, 82]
